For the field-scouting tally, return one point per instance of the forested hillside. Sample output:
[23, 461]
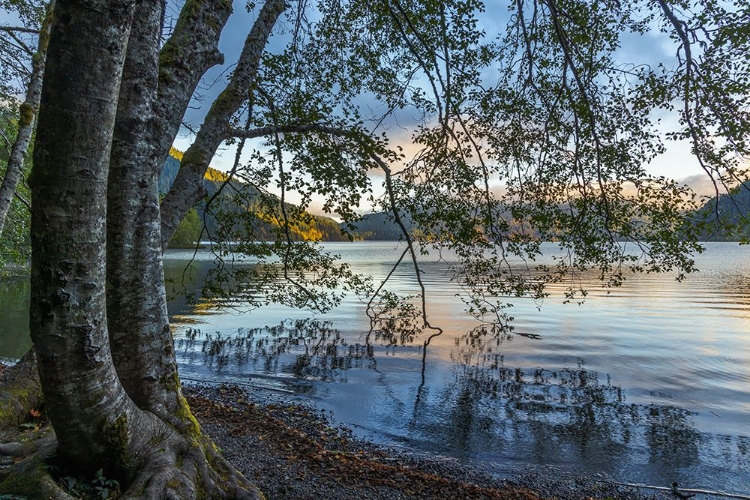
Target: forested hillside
[237, 210]
[378, 227]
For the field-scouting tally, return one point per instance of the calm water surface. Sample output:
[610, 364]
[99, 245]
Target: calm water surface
[649, 383]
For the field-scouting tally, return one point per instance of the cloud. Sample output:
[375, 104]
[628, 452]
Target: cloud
[702, 185]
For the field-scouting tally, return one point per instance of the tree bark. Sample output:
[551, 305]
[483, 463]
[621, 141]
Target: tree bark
[27, 119]
[87, 405]
[140, 337]
[96, 422]
[188, 186]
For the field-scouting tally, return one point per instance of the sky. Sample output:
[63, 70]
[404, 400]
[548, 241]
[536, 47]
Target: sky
[676, 163]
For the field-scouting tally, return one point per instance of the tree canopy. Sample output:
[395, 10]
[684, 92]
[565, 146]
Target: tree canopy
[489, 129]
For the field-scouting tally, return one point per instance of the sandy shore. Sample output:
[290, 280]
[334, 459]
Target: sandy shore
[292, 452]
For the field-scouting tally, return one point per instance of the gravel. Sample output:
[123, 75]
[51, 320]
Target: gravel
[292, 451]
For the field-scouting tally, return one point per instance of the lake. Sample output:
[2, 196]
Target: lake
[649, 383]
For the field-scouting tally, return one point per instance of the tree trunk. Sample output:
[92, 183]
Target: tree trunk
[192, 49]
[141, 342]
[27, 119]
[97, 424]
[87, 405]
[188, 186]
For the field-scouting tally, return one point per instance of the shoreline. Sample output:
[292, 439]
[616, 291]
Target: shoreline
[293, 451]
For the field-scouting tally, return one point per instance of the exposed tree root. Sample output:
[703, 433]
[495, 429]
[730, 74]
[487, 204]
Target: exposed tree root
[30, 476]
[166, 465]
[182, 467]
[177, 467]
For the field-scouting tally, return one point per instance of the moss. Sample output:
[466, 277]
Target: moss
[194, 156]
[15, 403]
[193, 430]
[169, 54]
[27, 114]
[226, 103]
[32, 483]
[200, 488]
[118, 436]
[194, 7]
[156, 440]
[44, 33]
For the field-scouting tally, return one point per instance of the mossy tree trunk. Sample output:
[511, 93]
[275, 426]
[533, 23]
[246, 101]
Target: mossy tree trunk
[123, 413]
[138, 322]
[185, 57]
[87, 404]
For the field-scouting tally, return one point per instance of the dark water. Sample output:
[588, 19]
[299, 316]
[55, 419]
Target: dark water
[14, 317]
[649, 383]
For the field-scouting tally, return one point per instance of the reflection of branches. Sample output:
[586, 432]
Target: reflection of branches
[369, 310]
[309, 349]
[410, 246]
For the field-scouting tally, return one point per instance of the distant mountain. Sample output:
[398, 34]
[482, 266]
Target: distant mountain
[378, 227]
[725, 218]
[252, 214]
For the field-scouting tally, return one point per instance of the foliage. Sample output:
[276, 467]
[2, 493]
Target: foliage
[98, 488]
[15, 246]
[489, 133]
[15, 51]
[539, 130]
[189, 230]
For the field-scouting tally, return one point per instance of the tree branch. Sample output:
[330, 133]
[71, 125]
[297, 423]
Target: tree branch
[189, 52]
[19, 29]
[27, 118]
[188, 186]
[291, 128]
[23, 200]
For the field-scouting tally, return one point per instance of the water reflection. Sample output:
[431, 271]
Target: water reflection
[488, 411]
[14, 318]
[678, 356]
[307, 349]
